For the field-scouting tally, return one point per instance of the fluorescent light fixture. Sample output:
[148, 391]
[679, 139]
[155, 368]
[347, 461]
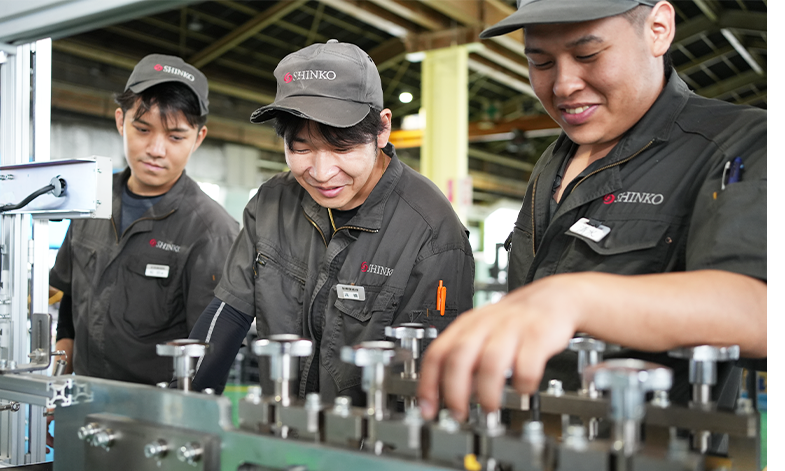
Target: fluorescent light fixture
[405, 97]
[415, 56]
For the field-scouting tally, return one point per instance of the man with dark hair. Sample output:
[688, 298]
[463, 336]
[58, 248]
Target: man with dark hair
[144, 277]
[350, 241]
[639, 226]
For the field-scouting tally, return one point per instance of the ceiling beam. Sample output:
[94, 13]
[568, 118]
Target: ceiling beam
[242, 33]
[728, 86]
[507, 186]
[500, 160]
[374, 15]
[465, 12]
[415, 12]
[442, 39]
[526, 123]
[109, 57]
[388, 53]
[735, 19]
[404, 139]
[494, 72]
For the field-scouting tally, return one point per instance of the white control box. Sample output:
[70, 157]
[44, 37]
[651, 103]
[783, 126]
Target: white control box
[88, 191]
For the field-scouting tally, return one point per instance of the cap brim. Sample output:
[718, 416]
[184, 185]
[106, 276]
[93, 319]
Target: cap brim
[329, 111]
[547, 13]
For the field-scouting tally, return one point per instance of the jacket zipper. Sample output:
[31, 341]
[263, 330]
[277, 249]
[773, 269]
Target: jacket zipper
[583, 179]
[534, 193]
[117, 239]
[324, 239]
[261, 259]
[372, 231]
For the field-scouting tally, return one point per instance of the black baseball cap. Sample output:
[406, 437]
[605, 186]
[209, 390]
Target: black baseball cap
[160, 68]
[333, 83]
[531, 12]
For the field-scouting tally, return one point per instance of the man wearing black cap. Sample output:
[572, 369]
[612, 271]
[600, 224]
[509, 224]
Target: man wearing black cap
[350, 241]
[639, 225]
[144, 277]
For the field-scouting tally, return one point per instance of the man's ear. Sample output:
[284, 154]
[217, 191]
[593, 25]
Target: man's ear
[661, 28]
[119, 116]
[200, 135]
[383, 138]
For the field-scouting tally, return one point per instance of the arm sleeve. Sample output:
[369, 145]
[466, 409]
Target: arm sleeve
[65, 319]
[60, 274]
[455, 268]
[729, 232]
[203, 272]
[224, 328]
[237, 284]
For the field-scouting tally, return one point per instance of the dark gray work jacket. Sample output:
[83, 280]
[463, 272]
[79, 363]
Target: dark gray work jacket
[124, 301]
[285, 265]
[660, 192]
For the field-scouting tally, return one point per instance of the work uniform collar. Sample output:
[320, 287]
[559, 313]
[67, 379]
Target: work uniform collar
[169, 203]
[371, 213]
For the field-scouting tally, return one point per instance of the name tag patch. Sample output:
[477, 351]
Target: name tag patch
[157, 271]
[591, 229]
[356, 293]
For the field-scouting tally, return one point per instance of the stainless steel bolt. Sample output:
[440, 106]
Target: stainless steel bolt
[555, 388]
[156, 449]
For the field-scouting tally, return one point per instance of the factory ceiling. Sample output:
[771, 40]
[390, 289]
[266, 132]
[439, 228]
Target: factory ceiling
[719, 50]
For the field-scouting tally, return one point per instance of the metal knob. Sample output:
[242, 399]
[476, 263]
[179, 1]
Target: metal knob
[281, 349]
[156, 449]
[703, 375]
[590, 351]
[628, 381]
[190, 453]
[703, 367]
[184, 353]
[411, 336]
[373, 357]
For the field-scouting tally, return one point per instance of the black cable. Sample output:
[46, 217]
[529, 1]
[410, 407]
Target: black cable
[57, 186]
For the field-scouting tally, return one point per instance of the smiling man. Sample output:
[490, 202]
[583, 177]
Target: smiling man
[144, 277]
[348, 218]
[635, 228]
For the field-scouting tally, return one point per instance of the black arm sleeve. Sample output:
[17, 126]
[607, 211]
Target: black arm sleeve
[224, 328]
[65, 319]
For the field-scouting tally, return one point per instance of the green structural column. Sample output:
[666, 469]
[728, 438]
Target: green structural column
[445, 99]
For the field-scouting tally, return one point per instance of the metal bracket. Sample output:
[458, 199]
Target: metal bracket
[40, 344]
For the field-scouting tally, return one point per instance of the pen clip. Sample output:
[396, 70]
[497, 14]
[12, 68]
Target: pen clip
[725, 174]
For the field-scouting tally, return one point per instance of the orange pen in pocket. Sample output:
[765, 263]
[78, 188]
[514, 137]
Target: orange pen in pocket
[441, 297]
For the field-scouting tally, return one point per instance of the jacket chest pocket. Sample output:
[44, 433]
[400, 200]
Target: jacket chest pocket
[151, 289]
[632, 247]
[366, 320]
[279, 290]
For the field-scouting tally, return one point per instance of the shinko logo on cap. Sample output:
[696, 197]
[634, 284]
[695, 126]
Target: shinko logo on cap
[174, 71]
[310, 75]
